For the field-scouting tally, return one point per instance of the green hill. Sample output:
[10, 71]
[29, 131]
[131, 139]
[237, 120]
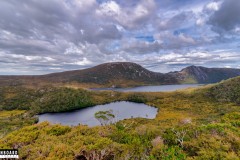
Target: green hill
[227, 91]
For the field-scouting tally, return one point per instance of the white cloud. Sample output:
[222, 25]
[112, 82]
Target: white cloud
[237, 29]
[80, 5]
[75, 50]
[227, 67]
[170, 41]
[198, 55]
[82, 62]
[73, 34]
[186, 39]
[55, 68]
[213, 6]
[170, 57]
[29, 58]
[200, 21]
[15, 57]
[130, 17]
[49, 59]
[109, 8]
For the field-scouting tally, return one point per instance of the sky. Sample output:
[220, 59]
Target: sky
[46, 36]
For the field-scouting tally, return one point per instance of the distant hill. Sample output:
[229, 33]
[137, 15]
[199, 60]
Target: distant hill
[200, 74]
[125, 74]
[226, 91]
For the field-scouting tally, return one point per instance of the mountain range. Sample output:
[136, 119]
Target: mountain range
[125, 74]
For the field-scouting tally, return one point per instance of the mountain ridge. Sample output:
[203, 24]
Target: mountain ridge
[126, 74]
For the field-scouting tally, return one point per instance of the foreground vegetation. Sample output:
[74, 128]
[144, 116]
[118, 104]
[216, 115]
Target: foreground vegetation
[13, 120]
[191, 124]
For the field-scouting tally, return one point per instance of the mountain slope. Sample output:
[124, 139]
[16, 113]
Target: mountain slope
[115, 74]
[226, 91]
[200, 74]
[124, 74]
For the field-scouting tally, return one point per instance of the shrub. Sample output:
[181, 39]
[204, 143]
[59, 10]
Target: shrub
[137, 97]
[58, 130]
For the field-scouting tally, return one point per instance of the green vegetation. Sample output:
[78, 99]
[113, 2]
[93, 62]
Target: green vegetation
[63, 99]
[191, 124]
[52, 99]
[13, 120]
[104, 117]
[227, 91]
[189, 80]
[137, 97]
[132, 139]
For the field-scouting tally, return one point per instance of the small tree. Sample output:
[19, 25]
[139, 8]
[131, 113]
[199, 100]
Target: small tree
[105, 117]
[180, 134]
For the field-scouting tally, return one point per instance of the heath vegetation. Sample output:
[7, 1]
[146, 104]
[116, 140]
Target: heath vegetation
[201, 123]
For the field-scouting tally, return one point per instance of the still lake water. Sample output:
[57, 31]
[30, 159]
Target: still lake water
[121, 110]
[160, 88]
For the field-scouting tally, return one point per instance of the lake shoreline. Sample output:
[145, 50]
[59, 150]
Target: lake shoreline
[85, 116]
[151, 88]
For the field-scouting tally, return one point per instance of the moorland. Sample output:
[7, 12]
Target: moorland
[195, 123]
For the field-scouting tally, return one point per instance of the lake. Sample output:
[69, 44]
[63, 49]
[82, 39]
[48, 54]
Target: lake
[160, 88]
[121, 110]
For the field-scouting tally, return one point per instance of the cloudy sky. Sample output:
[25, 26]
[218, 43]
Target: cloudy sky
[45, 36]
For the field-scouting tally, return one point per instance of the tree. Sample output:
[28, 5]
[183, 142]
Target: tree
[180, 134]
[105, 117]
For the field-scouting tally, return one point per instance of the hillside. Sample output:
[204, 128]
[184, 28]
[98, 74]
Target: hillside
[123, 74]
[200, 74]
[113, 74]
[227, 91]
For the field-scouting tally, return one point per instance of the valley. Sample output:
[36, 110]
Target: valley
[190, 124]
